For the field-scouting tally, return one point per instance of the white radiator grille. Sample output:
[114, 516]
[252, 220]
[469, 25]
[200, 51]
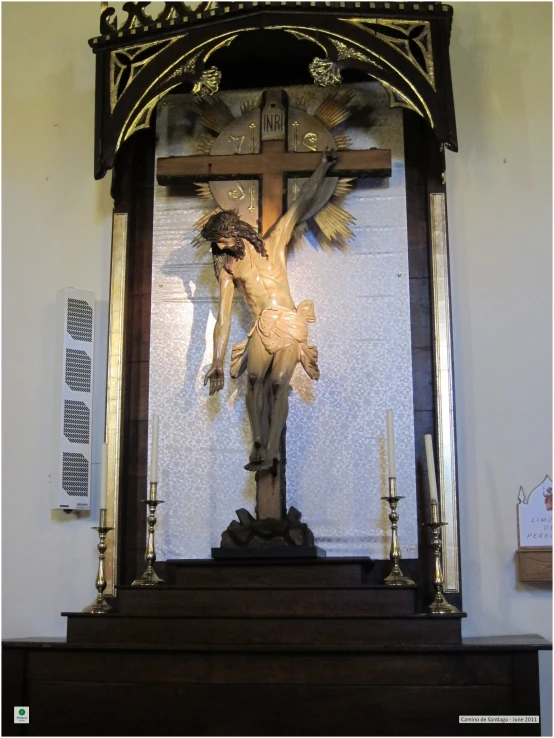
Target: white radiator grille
[79, 320]
[75, 476]
[76, 421]
[78, 370]
[72, 453]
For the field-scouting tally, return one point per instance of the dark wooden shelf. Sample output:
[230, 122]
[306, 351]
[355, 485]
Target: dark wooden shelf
[531, 642]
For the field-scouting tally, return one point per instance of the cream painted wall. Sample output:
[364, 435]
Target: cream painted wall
[500, 214]
[56, 223]
[56, 233]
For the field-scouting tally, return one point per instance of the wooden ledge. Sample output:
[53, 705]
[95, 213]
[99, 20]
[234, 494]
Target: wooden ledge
[534, 564]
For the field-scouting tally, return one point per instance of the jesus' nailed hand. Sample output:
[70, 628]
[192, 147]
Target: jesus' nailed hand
[278, 339]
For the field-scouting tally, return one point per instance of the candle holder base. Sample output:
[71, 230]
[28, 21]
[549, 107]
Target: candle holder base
[441, 607]
[98, 607]
[148, 579]
[397, 579]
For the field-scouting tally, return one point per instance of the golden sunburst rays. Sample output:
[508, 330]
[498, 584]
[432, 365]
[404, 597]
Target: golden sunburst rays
[333, 223]
[331, 226]
[201, 222]
[344, 186]
[334, 109]
[251, 104]
[205, 143]
[298, 100]
[343, 141]
[203, 191]
[214, 113]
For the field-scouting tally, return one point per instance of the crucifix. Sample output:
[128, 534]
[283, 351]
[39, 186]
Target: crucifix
[276, 150]
[278, 160]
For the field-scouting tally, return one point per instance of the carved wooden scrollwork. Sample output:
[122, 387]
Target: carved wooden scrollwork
[405, 50]
[412, 40]
[327, 72]
[106, 26]
[208, 84]
[138, 18]
[126, 63]
[173, 11]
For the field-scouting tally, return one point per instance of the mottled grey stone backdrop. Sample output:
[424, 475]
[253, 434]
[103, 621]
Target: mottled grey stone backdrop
[336, 470]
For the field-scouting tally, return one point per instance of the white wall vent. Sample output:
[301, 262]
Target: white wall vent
[72, 433]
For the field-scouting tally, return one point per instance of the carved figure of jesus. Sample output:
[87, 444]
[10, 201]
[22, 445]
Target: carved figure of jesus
[278, 339]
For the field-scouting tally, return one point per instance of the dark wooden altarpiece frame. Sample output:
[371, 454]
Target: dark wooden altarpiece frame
[304, 647]
[402, 45]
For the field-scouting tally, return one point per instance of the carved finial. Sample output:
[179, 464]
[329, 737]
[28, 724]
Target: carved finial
[325, 72]
[208, 84]
[173, 11]
[107, 27]
[136, 16]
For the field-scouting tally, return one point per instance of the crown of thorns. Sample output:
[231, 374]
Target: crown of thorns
[226, 224]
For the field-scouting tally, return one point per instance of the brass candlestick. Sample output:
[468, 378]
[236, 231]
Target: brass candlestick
[150, 578]
[100, 605]
[395, 578]
[439, 606]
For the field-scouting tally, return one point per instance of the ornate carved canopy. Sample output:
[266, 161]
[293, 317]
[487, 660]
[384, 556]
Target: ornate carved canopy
[402, 45]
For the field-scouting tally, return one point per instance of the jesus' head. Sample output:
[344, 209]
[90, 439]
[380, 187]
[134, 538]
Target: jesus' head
[226, 231]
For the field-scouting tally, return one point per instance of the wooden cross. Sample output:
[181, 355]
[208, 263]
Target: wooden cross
[272, 166]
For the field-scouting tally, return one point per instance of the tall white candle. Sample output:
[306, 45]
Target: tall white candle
[104, 477]
[431, 468]
[390, 444]
[154, 453]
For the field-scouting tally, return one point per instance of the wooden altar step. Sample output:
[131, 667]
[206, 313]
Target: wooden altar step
[321, 631]
[144, 690]
[328, 602]
[263, 601]
[330, 572]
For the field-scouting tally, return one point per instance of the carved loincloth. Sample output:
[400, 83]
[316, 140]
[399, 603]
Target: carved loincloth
[279, 327]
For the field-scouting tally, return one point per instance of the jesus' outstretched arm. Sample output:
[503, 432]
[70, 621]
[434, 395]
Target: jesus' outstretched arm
[279, 236]
[222, 328]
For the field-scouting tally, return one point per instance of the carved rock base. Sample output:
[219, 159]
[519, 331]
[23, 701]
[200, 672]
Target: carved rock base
[249, 533]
